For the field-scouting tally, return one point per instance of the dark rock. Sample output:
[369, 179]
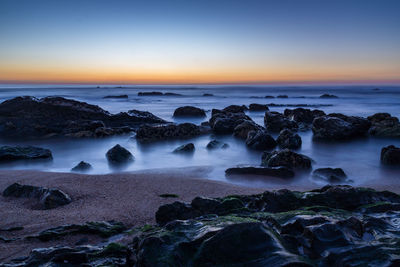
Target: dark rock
[150, 93]
[186, 148]
[282, 96]
[288, 139]
[48, 198]
[390, 155]
[145, 116]
[285, 158]
[260, 140]
[119, 155]
[384, 125]
[82, 167]
[208, 95]
[223, 122]
[172, 94]
[269, 96]
[215, 144]
[299, 105]
[173, 131]
[331, 175]
[189, 111]
[205, 205]
[258, 107]
[276, 122]
[173, 211]
[281, 172]
[11, 153]
[116, 96]
[302, 115]
[235, 108]
[242, 130]
[327, 96]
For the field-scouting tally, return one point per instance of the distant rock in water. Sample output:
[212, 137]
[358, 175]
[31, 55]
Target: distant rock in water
[215, 144]
[116, 96]
[281, 172]
[30, 117]
[258, 107]
[48, 198]
[119, 155]
[299, 105]
[171, 94]
[186, 148]
[154, 93]
[189, 111]
[173, 131]
[328, 96]
[11, 153]
[269, 96]
[208, 94]
[331, 175]
[282, 96]
[384, 125]
[285, 158]
[390, 155]
[82, 167]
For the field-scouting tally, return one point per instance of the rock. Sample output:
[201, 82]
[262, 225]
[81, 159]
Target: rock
[285, 158]
[288, 139]
[118, 155]
[276, 122]
[82, 167]
[186, 148]
[173, 211]
[269, 96]
[145, 116]
[281, 172]
[384, 125]
[390, 155]
[172, 94]
[260, 140]
[302, 115]
[235, 109]
[215, 144]
[258, 107]
[32, 117]
[116, 96]
[189, 111]
[223, 122]
[48, 198]
[173, 131]
[331, 175]
[208, 94]
[11, 153]
[328, 96]
[299, 105]
[154, 93]
[339, 127]
[282, 96]
[242, 130]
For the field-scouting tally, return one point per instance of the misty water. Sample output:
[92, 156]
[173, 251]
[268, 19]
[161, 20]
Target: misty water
[359, 158]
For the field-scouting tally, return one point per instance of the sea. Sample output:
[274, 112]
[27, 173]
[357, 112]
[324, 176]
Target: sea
[359, 158]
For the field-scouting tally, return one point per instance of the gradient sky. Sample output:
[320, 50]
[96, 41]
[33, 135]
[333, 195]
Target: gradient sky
[200, 41]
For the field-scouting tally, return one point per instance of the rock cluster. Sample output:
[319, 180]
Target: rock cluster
[172, 131]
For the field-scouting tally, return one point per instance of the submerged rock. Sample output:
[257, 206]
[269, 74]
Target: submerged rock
[285, 158]
[384, 125]
[119, 155]
[208, 94]
[288, 139]
[328, 96]
[281, 172]
[154, 93]
[276, 122]
[390, 155]
[260, 140]
[331, 175]
[116, 96]
[282, 96]
[173, 131]
[189, 111]
[48, 198]
[11, 153]
[258, 107]
[215, 144]
[186, 148]
[82, 167]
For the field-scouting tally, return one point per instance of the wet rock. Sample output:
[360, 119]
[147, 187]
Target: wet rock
[189, 111]
[223, 122]
[215, 144]
[288, 139]
[174, 211]
[390, 155]
[276, 122]
[282, 96]
[11, 153]
[242, 130]
[260, 140]
[173, 131]
[48, 198]
[281, 172]
[331, 175]
[119, 155]
[384, 125]
[303, 115]
[235, 109]
[328, 96]
[154, 93]
[186, 148]
[82, 167]
[285, 158]
[258, 107]
[116, 96]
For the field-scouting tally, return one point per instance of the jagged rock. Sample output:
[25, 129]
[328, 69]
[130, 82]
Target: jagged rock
[390, 155]
[258, 107]
[189, 111]
[260, 140]
[331, 175]
[11, 153]
[285, 158]
[214, 144]
[235, 109]
[116, 96]
[276, 122]
[48, 198]
[82, 167]
[303, 115]
[186, 148]
[49, 116]
[328, 96]
[288, 139]
[242, 130]
[281, 172]
[119, 155]
[173, 131]
[384, 125]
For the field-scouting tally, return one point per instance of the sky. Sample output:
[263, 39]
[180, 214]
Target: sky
[216, 41]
